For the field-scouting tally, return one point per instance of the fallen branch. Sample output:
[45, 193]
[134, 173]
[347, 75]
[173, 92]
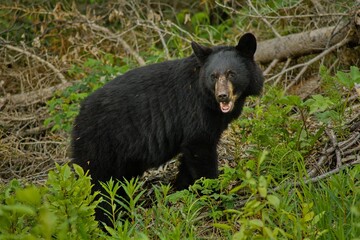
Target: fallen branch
[317, 178]
[52, 67]
[279, 76]
[270, 67]
[345, 147]
[34, 131]
[304, 43]
[308, 63]
[335, 144]
[29, 98]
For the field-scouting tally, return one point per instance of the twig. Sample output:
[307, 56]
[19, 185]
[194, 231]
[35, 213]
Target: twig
[298, 76]
[287, 63]
[282, 17]
[352, 120]
[34, 96]
[145, 23]
[34, 131]
[125, 45]
[349, 142]
[264, 20]
[52, 67]
[352, 150]
[162, 40]
[319, 163]
[317, 178]
[271, 66]
[319, 56]
[328, 153]
[344, 144]
[307, 181]
[319, 8]
[334, 142]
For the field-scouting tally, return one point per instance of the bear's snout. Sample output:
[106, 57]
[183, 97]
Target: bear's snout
[223, 89]
[223, 97]
[224, 94]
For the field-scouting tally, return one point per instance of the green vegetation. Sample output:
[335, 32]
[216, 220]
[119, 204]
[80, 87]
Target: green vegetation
[63, 208]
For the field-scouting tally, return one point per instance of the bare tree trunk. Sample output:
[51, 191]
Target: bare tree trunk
[28, 98]
[304, 43]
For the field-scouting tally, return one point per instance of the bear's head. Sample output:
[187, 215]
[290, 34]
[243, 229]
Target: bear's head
[228, 74]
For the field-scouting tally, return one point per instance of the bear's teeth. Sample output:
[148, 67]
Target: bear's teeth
[225, 107]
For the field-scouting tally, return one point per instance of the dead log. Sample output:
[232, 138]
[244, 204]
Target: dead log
[305, 43]
[25, 99]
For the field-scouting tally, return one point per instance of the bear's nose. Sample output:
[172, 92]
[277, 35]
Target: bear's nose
[223, 97]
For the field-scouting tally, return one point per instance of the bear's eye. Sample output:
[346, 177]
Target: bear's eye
[230, 74]
[213, 77]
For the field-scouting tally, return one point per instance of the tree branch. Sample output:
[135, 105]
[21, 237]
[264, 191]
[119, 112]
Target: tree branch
[52, 67]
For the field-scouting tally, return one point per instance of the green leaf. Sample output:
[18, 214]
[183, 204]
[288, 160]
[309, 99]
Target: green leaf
[248, 174]
[262, 186]
[317, 218]
[355, 74]
[236, 189]
[232, 211]
[30, 195]
[222, 226]
[21, 209]
[79, 171]
[200, 18]
[309, 216]
[318, 103]
[252, 204]
[273, 200]
[262, 191]
[344, 79]
[239, 235]
[349, 79]
[268, 232]
[262, 157]
[292, 100]
[257, 223]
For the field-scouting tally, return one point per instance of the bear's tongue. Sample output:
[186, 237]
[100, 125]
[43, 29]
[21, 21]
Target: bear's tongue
[225, 107]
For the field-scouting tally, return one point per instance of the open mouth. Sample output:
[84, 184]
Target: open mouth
[226, 107]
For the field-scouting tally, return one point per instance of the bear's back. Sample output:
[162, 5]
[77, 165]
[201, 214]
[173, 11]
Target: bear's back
[147, 112]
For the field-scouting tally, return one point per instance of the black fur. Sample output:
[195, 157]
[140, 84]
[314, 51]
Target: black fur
[150, 114]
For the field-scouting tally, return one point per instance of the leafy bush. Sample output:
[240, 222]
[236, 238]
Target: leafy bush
[63, 208]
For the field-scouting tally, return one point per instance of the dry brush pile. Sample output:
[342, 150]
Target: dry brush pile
[40, 42]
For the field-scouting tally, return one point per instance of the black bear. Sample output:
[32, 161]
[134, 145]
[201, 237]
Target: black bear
[148, 115]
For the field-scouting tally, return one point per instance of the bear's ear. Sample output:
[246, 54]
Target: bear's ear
[247, 45]
[201, 52]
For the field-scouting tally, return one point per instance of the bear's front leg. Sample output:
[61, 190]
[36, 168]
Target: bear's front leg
[197, 160]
